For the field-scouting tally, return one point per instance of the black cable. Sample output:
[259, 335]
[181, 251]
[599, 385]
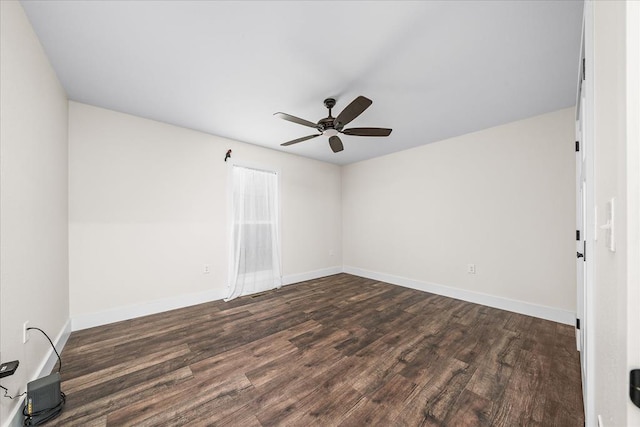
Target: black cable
[6, 394]
[46, 414]
[53, 346]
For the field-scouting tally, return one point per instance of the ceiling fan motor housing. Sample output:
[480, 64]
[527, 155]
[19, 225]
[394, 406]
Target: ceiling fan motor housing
[326, 123]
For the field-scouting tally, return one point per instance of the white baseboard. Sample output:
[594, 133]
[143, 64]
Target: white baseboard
[310, 275]
[543, 312]
[90, 320]
[51, 360]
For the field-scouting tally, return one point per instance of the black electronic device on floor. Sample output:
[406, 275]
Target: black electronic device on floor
[44, 400]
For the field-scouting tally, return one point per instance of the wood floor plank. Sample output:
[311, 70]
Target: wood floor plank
[384, 407]
[434, 402]
[337, 351]
[123, 369]
[164, 409]
[524, 394]
[495, 367]
[472, 411]
[80, 411]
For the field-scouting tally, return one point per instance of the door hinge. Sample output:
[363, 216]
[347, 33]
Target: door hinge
[578, 235]
[583, 255]
[584, 70]
[577, 323]
[634, 386]
[577, 146]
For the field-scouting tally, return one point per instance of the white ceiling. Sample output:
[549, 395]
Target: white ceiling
[434, 69]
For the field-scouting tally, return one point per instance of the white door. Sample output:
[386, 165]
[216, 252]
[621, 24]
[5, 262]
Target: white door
[581, 236]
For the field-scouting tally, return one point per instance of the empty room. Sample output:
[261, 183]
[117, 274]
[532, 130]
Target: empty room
[332, 213]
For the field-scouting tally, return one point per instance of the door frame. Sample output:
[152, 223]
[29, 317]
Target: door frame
[633, 193]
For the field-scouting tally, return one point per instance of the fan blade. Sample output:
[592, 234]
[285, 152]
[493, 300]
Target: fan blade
[297, 120]
[367, 131]
[295, 141]
[353, 110]
[336, 144]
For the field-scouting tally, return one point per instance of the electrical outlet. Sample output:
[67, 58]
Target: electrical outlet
[471, 269]
[25, 332]
[206, 269]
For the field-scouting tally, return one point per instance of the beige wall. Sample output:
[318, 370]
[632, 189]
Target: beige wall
[148, 208]
[33, 201]
[502, 199]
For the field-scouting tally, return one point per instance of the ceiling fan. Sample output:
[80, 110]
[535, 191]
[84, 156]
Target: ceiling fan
[332, 126]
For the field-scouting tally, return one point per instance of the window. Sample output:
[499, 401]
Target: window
[255, 248]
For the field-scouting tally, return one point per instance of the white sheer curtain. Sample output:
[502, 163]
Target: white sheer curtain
[255, 248]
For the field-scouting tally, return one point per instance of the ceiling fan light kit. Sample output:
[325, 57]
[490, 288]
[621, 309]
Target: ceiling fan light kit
[331, 126]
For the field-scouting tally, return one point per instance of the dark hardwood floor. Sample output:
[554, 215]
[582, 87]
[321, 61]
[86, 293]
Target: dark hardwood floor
[341, 350]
